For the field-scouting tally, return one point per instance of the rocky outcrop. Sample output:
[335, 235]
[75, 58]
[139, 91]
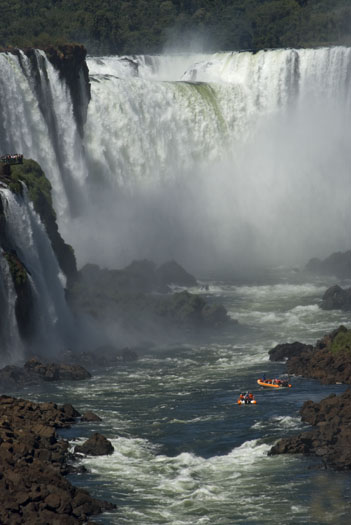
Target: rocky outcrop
[96, 445]
[90, 417]
[34, 372]
[39, 191]
[33, 463]
[24, 295]
[329, 361]
[132, 298]
[138, 277]
[336, 298]
[69, 59]
[338, 264]
[56, 371]
[285, 351]
[330, 439]
[172, 273]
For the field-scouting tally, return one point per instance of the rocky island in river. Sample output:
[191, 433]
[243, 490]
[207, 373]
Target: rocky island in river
[329, 361]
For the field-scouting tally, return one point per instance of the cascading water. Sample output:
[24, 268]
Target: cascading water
[12, 347]
[221, 160]
[54, 325]
[37, 120]
[215, 160]
[211, 160]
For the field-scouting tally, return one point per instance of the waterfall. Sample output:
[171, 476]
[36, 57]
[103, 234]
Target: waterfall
[226, 159]
[11, 344]
[221, 160]
[36, 119]
[54, 324]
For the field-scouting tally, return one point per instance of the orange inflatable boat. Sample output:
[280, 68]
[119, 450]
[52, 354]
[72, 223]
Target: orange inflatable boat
[273, 383]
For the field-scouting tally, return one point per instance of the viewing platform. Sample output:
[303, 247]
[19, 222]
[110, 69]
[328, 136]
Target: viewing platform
[15, 158]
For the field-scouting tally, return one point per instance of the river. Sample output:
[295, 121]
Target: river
[185, 452]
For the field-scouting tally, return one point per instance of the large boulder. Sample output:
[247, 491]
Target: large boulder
[285, 351]
[329, 361]
[338, 264]
[96, 445]
[33, 462]
[34, 372]
[56, 371]
[336, 298]
[330, 439]
[172, 273]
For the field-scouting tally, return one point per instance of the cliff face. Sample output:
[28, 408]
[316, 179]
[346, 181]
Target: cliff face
[69, 60]
[39, 192]
[330, 437]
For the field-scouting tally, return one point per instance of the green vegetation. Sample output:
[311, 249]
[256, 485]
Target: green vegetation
[38, 185]
[341, 342]
[39, 191]
[145, 26]
[17, 269]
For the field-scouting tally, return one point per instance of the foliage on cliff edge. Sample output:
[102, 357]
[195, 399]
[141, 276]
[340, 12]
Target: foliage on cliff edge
[39, 191]
[145, 26]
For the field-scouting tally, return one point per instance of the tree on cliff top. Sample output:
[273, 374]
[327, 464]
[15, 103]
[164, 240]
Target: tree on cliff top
[145, 26]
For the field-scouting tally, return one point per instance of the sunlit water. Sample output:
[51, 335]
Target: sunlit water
[185, 452]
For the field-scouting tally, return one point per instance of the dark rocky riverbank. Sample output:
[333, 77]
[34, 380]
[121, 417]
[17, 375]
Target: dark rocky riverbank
[336, 298]
[329, 360]
[33, 463]
[330, 439]
[34, 372]
[337, 264]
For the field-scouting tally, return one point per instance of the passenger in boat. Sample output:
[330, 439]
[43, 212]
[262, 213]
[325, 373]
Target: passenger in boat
[247, 398]
[251, 396]
[241, 397]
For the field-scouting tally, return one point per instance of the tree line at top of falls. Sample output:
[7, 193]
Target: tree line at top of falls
[147, 26]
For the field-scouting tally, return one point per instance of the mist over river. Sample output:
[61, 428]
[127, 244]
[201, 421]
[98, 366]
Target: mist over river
[223, 162]
[230, 164]
[185, 452]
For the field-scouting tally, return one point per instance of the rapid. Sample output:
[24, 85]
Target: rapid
[228, 163]
[185, 452]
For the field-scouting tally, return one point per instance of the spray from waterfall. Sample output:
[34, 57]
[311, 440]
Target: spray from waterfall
[224, 162]
[219, 161]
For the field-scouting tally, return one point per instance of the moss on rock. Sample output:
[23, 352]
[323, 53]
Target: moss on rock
[342, 341]
[17, 268]
[39, 191]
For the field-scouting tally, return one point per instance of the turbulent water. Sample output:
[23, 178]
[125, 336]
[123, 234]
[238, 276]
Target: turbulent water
[223, 162]
[218, 161]
[185, 453]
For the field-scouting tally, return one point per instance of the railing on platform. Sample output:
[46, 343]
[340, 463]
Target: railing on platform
[15, 158]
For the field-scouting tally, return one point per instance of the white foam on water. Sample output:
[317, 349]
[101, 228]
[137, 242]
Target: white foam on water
[178, 487]
[279, 422]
